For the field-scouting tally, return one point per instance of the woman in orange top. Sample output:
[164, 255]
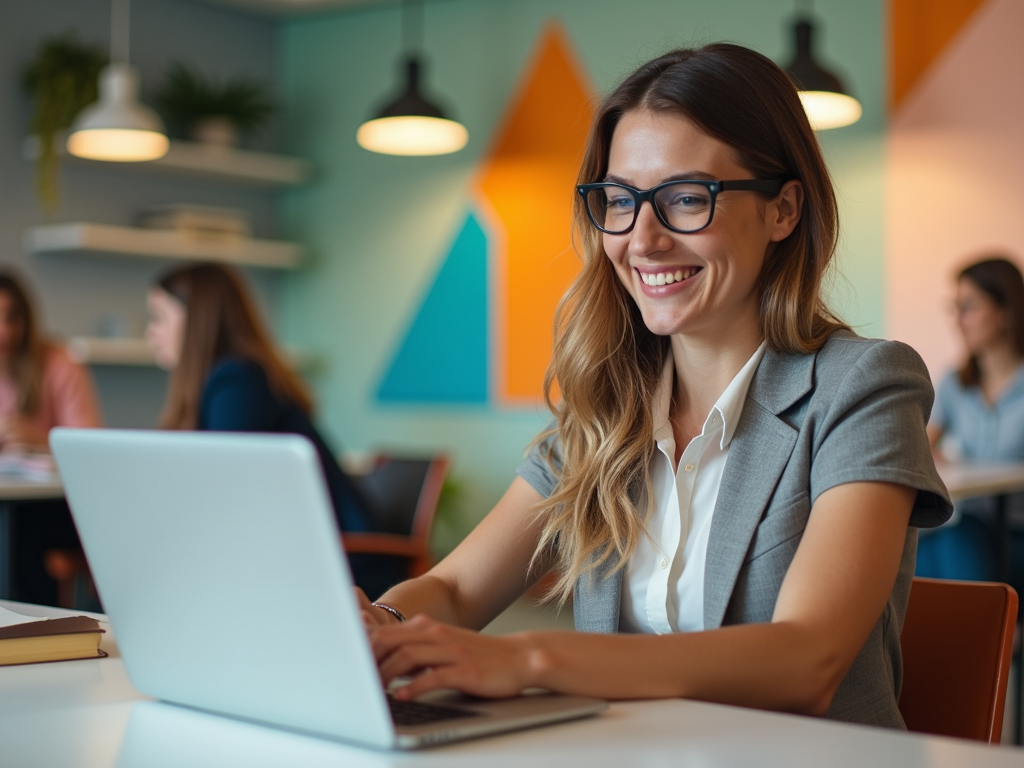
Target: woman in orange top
[41, 387]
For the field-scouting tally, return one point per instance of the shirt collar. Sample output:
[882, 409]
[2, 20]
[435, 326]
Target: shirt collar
[729, 406]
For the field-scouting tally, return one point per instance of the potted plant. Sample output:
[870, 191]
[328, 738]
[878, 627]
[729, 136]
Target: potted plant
[210, 112]
[61, 81]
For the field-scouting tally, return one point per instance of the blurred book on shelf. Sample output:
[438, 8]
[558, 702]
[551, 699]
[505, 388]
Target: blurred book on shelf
[199, 220]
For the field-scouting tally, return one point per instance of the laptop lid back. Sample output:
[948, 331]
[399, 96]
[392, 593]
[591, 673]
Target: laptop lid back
[218, 562]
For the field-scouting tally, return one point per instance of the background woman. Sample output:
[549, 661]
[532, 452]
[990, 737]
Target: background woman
[979, 416]
[729, 487]
[227, 375]
[40, 388]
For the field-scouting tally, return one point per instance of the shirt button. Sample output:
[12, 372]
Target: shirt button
[689, 468]
[663, 563]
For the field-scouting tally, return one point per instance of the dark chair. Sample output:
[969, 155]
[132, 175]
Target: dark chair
[956, 642]
[403, 493]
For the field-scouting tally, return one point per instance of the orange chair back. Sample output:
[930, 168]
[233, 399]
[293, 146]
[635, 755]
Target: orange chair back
[957, 640]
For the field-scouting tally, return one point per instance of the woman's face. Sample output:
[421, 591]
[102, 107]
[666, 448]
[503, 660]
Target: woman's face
[983, 323]
[166, 329]
[719, 265]
[12, 326]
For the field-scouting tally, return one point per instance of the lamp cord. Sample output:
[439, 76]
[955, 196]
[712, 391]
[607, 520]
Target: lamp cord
[412, 27]
[120, 28]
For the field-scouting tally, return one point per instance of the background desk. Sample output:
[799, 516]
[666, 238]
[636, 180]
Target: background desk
[13, 490]
[966, 481]
[85, 713]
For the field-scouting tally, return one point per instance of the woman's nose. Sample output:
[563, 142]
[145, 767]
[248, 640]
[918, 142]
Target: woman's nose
[649, 235]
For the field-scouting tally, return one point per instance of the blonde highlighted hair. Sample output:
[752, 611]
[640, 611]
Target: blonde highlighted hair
[606, 363]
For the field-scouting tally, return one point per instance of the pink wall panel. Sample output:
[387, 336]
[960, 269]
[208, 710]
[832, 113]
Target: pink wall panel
[955, 177]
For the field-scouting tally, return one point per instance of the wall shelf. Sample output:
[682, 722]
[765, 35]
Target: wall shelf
[109, 351]
[98, 350]
[101, 239]
[225, 164]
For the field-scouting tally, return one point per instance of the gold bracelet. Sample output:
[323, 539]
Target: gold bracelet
[393, 611]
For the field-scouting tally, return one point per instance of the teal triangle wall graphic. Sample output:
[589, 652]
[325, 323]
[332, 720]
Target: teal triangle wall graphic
[444, 356]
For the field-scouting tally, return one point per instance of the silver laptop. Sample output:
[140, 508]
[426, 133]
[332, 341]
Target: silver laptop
[218, 562]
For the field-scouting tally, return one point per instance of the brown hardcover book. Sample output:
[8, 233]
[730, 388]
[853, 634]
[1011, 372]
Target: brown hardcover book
[76, 637]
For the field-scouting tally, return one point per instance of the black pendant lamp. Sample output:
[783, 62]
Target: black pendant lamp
[411, 125]
[826, 101]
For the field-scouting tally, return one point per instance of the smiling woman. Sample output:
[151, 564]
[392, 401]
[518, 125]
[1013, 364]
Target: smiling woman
[732, 484]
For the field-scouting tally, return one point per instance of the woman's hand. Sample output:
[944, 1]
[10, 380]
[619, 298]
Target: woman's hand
[438, 655]
[18, 431]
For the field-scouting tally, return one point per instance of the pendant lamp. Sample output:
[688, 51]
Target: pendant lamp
[825, 100]
[411, 125]
[118, 127]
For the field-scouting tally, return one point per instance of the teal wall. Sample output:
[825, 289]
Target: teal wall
[378, 227]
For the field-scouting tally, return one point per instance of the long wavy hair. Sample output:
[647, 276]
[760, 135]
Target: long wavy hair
[999, 279]
[221, 321]
[27, 363]
[606, 363]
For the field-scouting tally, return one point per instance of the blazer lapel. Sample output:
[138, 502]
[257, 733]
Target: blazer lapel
[595, 605]
[758, 454]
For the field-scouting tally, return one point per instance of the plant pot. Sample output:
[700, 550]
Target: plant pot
[215, 131]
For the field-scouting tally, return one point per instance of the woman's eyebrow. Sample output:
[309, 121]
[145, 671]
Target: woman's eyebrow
[684, 176]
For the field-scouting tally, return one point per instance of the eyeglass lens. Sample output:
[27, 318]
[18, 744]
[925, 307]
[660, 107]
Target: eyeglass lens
[686, 207]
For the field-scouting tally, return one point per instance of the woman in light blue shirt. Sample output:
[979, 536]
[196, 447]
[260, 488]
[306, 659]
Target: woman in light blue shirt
[979, 416]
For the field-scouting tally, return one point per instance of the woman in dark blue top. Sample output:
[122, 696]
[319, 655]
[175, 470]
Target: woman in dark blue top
[226, 375]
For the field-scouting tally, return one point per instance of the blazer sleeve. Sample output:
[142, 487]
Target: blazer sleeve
[873, 429]
[543, 464]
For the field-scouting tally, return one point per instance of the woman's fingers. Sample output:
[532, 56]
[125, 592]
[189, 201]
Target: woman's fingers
[413, 658]
[440, 656]
[419, 629]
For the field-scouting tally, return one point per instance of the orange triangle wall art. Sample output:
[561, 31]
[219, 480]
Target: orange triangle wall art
[514, 247]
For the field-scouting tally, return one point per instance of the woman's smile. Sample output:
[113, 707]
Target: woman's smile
[663, 281]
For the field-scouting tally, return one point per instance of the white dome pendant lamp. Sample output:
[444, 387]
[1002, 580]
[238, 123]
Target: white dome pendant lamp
[411, 125]
[118, 127]
[826, 101]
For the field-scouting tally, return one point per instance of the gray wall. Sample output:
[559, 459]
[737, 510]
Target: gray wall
[79, 295]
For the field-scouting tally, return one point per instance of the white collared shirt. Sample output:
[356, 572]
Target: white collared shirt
[663, 585]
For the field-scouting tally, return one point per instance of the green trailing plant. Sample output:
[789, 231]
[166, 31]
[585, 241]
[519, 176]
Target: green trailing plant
[61, 81]
[187, 96]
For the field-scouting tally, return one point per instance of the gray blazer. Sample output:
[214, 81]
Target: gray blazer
[854, 411]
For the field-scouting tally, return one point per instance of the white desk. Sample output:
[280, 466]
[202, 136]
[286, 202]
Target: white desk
[965, 481]
[85, 713]
[13, 489]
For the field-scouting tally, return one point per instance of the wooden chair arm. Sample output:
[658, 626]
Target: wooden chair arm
[382, 544]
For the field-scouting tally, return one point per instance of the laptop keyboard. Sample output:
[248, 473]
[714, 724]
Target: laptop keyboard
[421, 712]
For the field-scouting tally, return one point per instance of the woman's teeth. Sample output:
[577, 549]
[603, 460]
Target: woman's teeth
[667, 278]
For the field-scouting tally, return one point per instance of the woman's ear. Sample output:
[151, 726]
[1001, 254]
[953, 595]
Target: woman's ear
[785, 210]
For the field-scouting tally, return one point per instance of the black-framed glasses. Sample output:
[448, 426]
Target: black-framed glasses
[683, 206]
